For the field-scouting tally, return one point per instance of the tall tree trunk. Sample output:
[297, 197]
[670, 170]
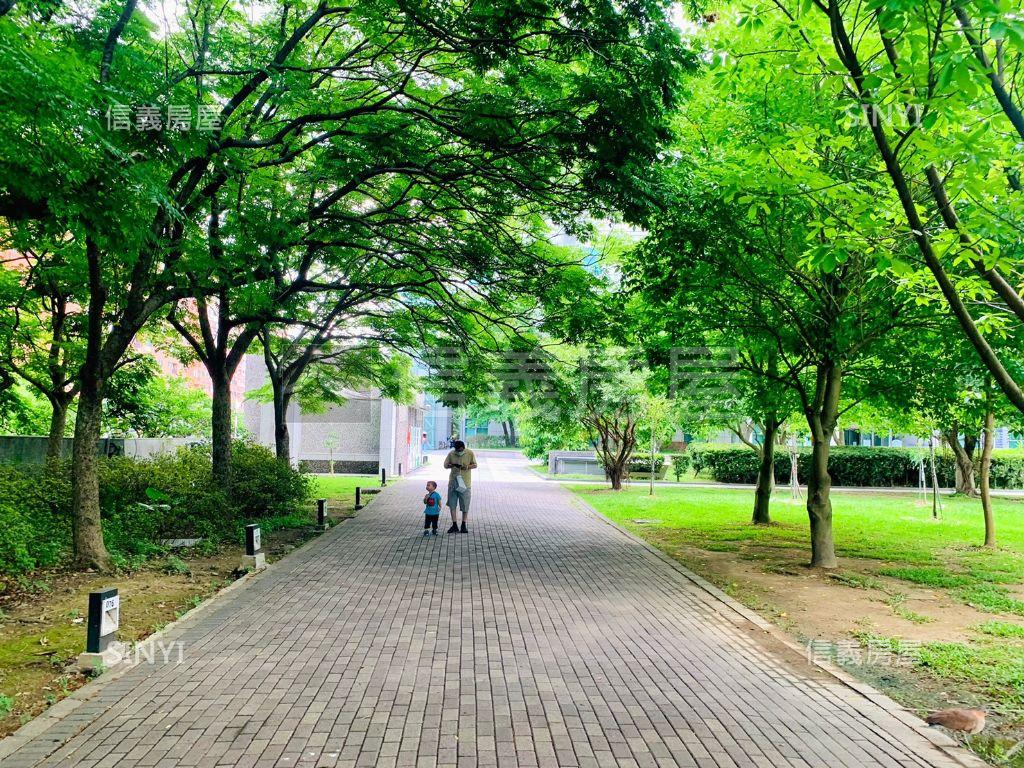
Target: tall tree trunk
[822, 417]
[282, 438]
[87, 525]
[986, 474]
[221, 424]
[614, 463]
[765, 474]
[794, 470]
[970, 445]
[512, 433]
[935, 476]
[615, 474]
[55, 438]
[819, 506]
[281, 397]
[90, 551]
[616, 450]
[964, 458]
[504, 432]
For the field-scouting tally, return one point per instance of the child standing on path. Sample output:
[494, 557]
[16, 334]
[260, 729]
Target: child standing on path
[431, 508]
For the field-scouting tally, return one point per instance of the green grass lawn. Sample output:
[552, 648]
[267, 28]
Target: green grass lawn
[894, 527]
[877, 535]
[341, 489]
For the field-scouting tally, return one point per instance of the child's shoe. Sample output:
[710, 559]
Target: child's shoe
[426, 533]
[434, 532]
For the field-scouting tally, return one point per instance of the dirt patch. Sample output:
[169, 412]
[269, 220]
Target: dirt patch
[44, 623]
[792, 595]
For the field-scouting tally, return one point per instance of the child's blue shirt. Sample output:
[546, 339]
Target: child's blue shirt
[436, 509]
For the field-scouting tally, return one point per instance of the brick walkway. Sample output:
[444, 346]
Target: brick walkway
[544, 638]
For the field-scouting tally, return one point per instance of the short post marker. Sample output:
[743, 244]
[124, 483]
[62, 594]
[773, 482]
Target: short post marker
[102, 650]
[383, 477]
[254, 559]
[321, 513]
[359, 497]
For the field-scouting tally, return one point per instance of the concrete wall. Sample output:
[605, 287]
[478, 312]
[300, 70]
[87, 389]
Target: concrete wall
[20, 449]
[145, 447]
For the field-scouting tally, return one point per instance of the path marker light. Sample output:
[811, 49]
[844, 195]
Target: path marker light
[102, 650]
[359, 497]
[254, 559]
[321, 513]
[383, 477]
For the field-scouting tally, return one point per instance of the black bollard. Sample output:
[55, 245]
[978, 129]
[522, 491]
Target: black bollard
[383, 477]
[102, 650]
[359, 498]
[104, 618]
[253, 541]
[321, 513]
[254, 559]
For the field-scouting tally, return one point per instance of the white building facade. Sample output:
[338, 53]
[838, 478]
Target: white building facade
[363, 435]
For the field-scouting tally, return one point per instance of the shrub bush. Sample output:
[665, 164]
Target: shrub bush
[184, 481]
[486, 441]
[680, 462]
[35, 524]
[262, 486]
[167, 496]
[851, 466]
[641, 465]
[536, 442]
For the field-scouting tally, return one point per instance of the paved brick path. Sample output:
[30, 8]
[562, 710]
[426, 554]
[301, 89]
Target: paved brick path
[544, 638]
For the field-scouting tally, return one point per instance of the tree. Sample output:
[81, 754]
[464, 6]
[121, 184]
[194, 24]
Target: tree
[552, 109]
[741, 256]
[605, 391]
[933, 383]
[935, 86]
[23, 411]
[161, 407]
[42, 335]
[659, 425]
[502, 410]
[538, 435]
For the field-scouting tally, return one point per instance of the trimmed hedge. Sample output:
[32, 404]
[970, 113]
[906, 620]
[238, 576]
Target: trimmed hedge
[850, 466]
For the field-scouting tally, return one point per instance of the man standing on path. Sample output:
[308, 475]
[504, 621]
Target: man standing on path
[461, 461]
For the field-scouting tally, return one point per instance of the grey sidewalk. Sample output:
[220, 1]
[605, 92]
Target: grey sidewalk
[545, 637]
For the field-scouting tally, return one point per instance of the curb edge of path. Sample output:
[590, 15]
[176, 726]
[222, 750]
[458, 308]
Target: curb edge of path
[866, 693]
[54, 715]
